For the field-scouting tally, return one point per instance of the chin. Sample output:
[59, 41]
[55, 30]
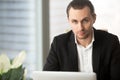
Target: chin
[81, 37]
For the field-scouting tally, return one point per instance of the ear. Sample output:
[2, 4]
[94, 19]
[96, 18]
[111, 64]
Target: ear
[68, 19]
[94, 17]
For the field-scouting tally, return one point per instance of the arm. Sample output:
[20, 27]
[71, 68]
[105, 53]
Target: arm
[52, 63]
[115, 62]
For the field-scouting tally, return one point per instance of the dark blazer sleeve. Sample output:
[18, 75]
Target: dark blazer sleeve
[115, 63]
[52, 63]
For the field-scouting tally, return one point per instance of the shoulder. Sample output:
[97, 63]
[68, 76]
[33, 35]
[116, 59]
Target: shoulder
[104, 35]
[62, 40]
[64, 36]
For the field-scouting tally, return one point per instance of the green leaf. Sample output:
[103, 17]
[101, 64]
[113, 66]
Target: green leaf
[17, 74]
[5, 76]
[0, 77]
[13, 74]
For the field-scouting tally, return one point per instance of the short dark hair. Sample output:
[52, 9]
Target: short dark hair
[80, 4]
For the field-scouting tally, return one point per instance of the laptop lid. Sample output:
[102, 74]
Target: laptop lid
[52, 75]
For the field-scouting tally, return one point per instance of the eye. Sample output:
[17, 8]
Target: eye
[74, 21]
[86, 20]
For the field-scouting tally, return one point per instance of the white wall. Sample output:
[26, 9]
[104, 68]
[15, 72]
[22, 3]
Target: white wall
[58, 19]
[108, 15]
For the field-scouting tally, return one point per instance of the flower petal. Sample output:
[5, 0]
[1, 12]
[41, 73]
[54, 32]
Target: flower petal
[4, 63]
[18, 60]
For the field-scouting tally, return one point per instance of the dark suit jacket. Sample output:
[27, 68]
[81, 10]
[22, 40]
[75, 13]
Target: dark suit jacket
[63, 55]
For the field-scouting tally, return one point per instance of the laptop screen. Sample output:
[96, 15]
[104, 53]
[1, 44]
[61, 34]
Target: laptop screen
[52, 75]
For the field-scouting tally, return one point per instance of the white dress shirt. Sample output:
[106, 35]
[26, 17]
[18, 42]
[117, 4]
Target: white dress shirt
[85, 56]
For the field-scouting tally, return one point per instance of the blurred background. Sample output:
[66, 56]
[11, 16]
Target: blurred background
[30, 25]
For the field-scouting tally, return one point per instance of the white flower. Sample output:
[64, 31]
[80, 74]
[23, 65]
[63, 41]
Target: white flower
[4, 63]
[24, 75]
[18, 60]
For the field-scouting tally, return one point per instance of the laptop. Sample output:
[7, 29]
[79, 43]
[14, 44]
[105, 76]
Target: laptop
[52, 75]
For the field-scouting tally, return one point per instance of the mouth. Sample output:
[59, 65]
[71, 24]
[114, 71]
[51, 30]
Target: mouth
[81, 33]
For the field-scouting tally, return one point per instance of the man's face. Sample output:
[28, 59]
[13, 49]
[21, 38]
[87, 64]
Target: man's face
[81, 21]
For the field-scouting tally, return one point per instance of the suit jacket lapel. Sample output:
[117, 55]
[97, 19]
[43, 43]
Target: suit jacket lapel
[96, 57]
[73, 55]
[96, 51]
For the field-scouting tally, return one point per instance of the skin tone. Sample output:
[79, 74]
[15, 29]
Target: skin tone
[81, 21]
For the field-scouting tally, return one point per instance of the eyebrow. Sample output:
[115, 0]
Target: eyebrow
[81, 20]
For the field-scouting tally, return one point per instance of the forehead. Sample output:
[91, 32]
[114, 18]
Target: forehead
[79, 13]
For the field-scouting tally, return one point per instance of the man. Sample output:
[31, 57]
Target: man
[85, 49]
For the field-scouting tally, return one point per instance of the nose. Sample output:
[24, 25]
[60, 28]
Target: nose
[80, 26]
